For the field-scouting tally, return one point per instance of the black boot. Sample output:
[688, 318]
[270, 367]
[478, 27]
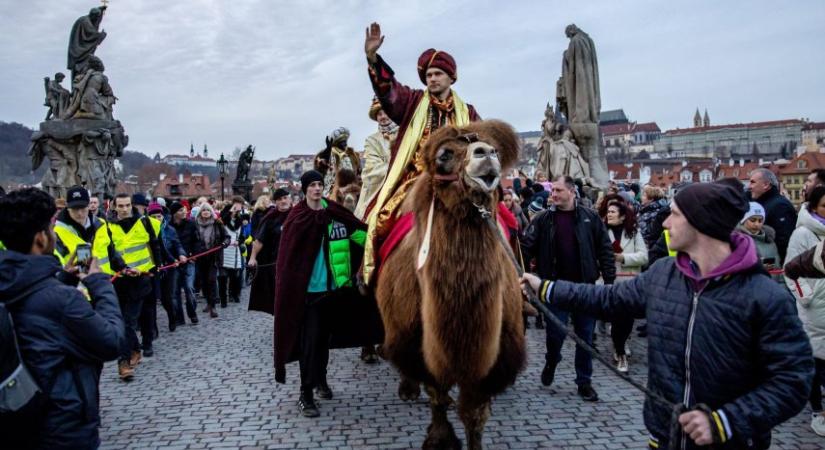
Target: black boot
[306, 404]
[323, 391]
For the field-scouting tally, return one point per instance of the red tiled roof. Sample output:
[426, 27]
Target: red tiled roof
[814, 126]
[622, 172]
[616, 128]
[813, 160]
[648, 127]
[773, 123]
[736, 171]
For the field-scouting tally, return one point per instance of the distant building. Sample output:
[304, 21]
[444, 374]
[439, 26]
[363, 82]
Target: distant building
[293, 166]
[183, 186]
[793, 175]
[629, 139]
[750, 141]
[612, 117]
[813, 137]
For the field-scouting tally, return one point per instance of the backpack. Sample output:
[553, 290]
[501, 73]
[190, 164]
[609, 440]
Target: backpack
[19, 390]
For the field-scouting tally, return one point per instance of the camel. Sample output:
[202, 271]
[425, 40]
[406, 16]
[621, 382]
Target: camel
[456, 319]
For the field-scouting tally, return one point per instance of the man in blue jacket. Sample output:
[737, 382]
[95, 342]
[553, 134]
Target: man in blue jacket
[721, 333]
[64, 338]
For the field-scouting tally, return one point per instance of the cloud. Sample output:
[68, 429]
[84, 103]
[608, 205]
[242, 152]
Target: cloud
[281, 75]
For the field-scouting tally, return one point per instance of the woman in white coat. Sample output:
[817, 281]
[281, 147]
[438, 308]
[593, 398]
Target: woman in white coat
[811, 302]
[233, 259]
[631, 255]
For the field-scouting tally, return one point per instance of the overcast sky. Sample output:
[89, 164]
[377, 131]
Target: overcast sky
[281, 75]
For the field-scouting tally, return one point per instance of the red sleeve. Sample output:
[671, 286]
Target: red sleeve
[395, 97]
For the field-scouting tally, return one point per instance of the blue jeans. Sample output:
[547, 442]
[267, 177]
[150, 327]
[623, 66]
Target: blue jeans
[583, 326]
[186, 281]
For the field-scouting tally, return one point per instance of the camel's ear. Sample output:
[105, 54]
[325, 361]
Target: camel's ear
[500, 135]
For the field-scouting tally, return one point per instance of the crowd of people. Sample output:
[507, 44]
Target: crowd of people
[702, 268]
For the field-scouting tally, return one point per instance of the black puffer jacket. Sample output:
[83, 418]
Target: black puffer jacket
[595, 249]
[64, 340]
[651, 218]
[748, 354]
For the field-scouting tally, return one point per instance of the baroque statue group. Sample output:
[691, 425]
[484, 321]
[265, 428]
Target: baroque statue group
[80, 137]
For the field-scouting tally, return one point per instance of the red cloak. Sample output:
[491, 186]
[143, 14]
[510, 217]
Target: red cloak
[357, 321]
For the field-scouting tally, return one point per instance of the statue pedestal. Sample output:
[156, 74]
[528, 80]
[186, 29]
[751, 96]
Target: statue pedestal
[80, 152]
[244, 189]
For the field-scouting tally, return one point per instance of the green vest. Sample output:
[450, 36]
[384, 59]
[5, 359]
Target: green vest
[339, 251]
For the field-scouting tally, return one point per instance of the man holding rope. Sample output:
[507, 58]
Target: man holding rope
[129, 246]
[724, 340]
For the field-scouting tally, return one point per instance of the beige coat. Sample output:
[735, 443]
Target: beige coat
[376, 164]
[634, 251]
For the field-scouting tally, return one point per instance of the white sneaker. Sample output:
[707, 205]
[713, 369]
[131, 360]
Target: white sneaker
[621, 365]
[818, 424]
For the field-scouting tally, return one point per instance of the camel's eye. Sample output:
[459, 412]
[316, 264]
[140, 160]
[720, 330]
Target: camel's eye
[444, 155]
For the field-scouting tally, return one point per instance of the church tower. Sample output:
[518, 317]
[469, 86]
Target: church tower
[206, 151]
[697, 119]
[191, 150]
[706, 120]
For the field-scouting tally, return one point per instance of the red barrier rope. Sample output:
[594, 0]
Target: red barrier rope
[174, 264]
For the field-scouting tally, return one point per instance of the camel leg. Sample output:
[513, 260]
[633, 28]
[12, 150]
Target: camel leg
[408, 389]
[440, 433]
[474, 410]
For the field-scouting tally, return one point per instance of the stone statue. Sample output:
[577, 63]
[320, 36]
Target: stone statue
[80, 137]
[243, 185]
[244, 163]
[84, 39]
[92, 96]
[57, 97]
[557, 155]
[578, 98]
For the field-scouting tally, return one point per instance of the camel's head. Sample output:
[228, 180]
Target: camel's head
[471, 157]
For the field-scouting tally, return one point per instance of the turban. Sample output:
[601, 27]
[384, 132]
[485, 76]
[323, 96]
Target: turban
[339, 135]
[438, 59]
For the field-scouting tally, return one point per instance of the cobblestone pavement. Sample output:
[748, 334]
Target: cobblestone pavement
[211, 386]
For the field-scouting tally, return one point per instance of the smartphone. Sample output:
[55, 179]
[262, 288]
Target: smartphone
[83, 254]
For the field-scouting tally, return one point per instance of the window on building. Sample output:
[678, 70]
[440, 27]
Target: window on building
[801, 164]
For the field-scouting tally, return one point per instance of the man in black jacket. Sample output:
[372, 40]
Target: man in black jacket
[722, 334]
[779, 211]
[570, 243]
[64, 338]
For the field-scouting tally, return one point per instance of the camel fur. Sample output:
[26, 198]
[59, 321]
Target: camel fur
[457, 320]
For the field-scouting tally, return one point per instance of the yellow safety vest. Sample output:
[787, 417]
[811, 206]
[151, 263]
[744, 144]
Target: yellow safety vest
[68, 240]
[133, 246]
[667, 242]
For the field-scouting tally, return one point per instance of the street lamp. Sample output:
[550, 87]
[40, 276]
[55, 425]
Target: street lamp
[222, 166]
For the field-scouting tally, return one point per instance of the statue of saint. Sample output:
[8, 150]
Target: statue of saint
[57, 97]
[578, 98]
[92, 96]
[84, 39]
[557, 154]
[244, 164]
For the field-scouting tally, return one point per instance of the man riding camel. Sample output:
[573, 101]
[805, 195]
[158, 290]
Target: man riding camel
[418, 114]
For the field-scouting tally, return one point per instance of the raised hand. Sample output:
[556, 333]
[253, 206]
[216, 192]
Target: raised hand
[373, 41]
